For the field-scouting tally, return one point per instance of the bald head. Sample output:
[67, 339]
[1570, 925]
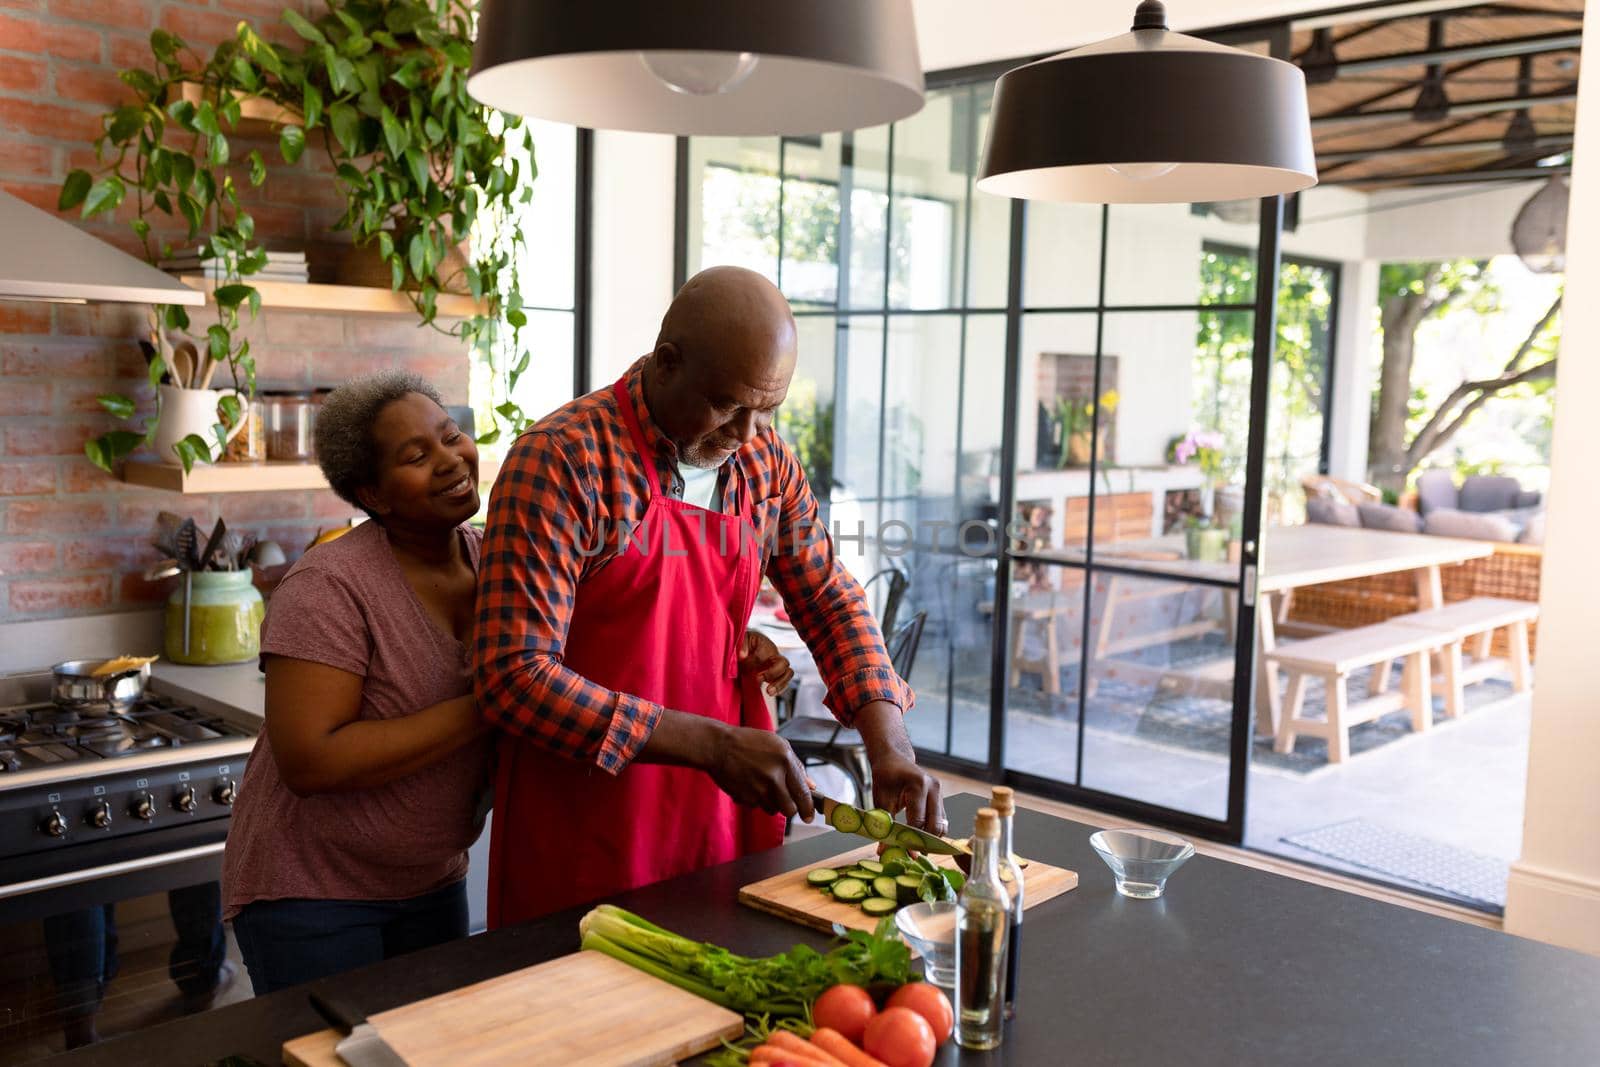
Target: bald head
[722, 363]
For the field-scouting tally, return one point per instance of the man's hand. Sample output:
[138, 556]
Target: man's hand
[897, 782]
[759, 656]
[758, 769]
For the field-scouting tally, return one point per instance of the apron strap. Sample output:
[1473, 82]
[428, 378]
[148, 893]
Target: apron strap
[631, 417]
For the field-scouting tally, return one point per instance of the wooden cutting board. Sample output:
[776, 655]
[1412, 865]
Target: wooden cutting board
[586, 1008]
[790, 896]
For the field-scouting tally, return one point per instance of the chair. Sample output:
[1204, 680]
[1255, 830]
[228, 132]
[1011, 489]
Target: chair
[893, 582]
[827, 741]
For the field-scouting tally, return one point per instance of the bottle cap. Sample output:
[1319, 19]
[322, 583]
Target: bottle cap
[988, 823]
[1004, 800]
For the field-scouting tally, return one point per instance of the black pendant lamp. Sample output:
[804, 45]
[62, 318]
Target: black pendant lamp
[719, 67]
[1150, 117]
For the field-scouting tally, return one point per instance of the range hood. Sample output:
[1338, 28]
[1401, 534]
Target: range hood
[48, 258]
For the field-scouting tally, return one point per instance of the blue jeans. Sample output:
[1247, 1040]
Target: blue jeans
[290, 942]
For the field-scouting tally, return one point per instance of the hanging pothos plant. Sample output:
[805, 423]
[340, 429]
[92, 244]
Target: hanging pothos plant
[380, 86]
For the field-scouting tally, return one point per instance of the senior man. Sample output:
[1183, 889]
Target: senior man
[627, 536]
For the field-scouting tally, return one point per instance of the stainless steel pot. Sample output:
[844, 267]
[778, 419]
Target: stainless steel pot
[76, 687]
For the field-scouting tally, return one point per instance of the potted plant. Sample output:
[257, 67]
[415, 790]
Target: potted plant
[380, 87]
[1205, 540]
[1075, 421]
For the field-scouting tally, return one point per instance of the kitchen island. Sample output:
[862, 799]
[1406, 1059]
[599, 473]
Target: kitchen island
[1234, 966]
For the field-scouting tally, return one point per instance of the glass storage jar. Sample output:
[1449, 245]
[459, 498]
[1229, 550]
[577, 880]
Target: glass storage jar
[291, 418]
[214, 617]
[250, 445]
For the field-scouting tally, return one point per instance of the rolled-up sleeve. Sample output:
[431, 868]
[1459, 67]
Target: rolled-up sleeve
[539, 517]
[826, 604]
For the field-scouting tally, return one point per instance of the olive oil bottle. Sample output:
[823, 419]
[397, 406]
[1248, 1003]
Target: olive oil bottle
[983, 926]
[1004, 802]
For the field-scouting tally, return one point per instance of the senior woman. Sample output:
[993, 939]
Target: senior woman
[349, 840]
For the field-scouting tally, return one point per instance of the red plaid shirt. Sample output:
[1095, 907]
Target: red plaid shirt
[566, 484]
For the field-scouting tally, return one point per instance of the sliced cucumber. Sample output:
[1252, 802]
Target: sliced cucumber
[876, 906]
[851, 890]
[910, 838]
[877, 823]
[822, 877]
[872, 865]
[859, 872]
[884, 886]
[908, 888]
[895, 854]
[846, 819]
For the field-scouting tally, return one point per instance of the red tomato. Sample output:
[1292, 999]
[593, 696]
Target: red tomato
[845, 1008]
[929, 1002]
[901, 1038]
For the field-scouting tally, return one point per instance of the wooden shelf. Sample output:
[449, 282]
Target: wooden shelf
[244, 477]
[343, 299]
[256, 116]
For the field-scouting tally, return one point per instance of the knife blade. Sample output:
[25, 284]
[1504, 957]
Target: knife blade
[362, 1045]
[900, 833]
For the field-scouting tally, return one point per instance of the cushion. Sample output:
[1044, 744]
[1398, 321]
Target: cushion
[1528, 498]
[1332, 512]
[1533, 531]
[1389, 517]
[1485, 492]
[1451, 522]
[1436, 489]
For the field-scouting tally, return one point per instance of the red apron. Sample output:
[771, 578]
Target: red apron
[662, 620]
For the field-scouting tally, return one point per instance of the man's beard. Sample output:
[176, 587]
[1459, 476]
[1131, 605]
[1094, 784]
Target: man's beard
[702, 456]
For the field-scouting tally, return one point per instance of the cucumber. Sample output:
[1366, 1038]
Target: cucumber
[850, 890]
[846, 819]
[859, 872]
[884, 886]
[908, 888]
[910, 838]
[822, 877]
[877, 823]
[895, 854]
[876, 906]
[872, 865]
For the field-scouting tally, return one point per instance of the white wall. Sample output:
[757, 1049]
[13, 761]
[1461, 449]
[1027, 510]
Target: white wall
[1446, 221]
[634, 198]
[1554, 893]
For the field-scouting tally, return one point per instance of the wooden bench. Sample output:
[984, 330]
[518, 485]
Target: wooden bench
[1333, 658]
[1476, 620]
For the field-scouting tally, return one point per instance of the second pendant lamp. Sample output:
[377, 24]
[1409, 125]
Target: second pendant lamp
[1150, 117]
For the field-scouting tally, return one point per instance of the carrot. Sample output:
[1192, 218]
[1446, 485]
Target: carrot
[836, 1044]
[783, 1039]
[771, 1056]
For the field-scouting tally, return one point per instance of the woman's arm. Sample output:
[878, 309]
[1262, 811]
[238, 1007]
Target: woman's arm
[323, 746]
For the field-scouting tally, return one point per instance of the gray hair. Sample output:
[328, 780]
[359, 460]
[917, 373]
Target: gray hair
[345, 448]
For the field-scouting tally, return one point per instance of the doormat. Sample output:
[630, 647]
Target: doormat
[1468, 876]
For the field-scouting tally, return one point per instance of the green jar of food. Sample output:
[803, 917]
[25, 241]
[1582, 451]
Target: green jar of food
[224, 612]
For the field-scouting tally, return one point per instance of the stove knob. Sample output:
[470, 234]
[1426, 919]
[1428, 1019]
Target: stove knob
[55, 825]
[99, 816]
[184, 801]
[143, 807]
[225, 791]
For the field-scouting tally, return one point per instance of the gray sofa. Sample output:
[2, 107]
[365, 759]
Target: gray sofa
[1483, 508]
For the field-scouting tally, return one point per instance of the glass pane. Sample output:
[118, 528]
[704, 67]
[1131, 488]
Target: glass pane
[982, 418]
[1055, 411]
[547, 383]
[1158, 706]
[805, 421]
[858, 448]
[1301, 384]
[1154, 252]
[869, 208]
[989, 239]
[930, 196]
[808, 271]
[734, 217]
[1045, 645]
[1061, 255]
[546, 264]
[919, 422]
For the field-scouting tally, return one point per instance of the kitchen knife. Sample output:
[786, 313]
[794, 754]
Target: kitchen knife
[362, 1046]
[902, 834]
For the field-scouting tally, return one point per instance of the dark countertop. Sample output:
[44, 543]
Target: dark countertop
[1235, 966]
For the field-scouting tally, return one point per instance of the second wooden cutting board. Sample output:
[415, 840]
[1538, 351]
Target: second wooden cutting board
[586, 1009]
[790, 896]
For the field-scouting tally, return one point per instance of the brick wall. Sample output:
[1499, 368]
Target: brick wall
[73, 540]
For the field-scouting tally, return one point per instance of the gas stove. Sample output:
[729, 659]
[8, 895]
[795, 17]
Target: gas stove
[86, 794]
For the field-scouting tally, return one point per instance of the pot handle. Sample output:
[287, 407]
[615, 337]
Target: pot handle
[244, 417]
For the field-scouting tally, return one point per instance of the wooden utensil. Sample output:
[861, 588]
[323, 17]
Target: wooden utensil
[790, 896]
[185, 362]
[585, 1009]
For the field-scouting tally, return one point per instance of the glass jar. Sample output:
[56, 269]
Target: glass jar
[291, 418]
[250, 445]
[214, 617]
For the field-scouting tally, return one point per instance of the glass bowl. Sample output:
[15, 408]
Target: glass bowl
[1141, 860]
[930, 930]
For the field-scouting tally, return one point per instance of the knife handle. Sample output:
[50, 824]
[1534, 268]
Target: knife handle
[339, 1015]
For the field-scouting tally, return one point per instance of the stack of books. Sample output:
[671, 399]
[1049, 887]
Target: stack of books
[280, 267]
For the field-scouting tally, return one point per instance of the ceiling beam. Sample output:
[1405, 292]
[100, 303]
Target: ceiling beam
[1565, 40]
[1545, 146]
[1462, 107]
[1382, 13]
[1454, 177]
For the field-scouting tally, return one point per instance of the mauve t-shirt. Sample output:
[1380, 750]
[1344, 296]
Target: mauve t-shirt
[347, 604]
